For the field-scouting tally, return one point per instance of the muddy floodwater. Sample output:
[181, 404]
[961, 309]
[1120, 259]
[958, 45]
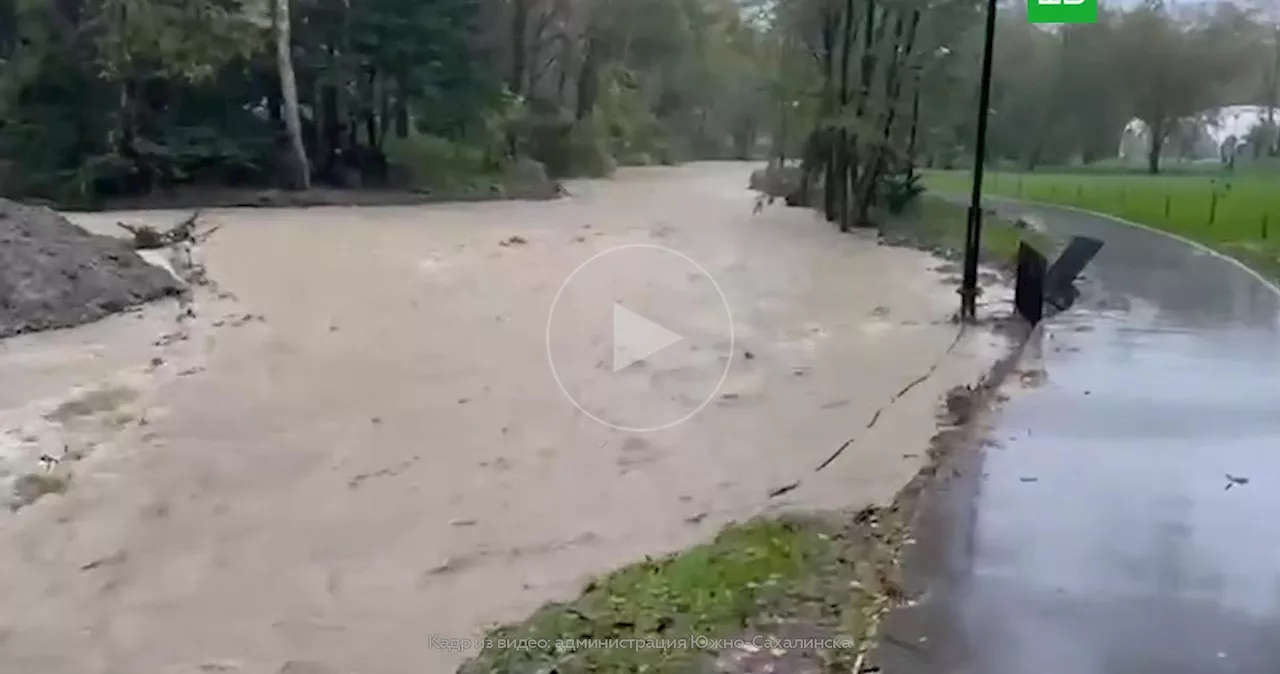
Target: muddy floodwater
[376, 433]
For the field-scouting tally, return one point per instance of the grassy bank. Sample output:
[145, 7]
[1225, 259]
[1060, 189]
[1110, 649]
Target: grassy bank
[1237, 215]
[812, 578]
[938, 225]
[929, 222]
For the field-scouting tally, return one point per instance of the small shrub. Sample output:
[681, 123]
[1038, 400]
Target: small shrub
[775, 180]
[526, 178]
[589, 150]
[899, 190]
[434, 162]
[569, 148]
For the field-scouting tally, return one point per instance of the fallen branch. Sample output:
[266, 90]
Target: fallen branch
[146, 237]
[834, 455]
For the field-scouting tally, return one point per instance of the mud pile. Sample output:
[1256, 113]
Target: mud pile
[54, 274]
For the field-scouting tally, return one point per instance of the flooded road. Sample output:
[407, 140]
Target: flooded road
[395, 426]
[1121, 519]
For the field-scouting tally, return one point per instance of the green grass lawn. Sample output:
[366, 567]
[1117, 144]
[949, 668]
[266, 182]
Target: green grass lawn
[1239, 215]
[939, 225]
[815, 578]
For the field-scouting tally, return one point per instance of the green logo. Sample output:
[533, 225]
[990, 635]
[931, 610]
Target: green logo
[1062, 11]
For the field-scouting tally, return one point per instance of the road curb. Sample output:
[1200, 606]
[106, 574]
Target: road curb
[1270, 284]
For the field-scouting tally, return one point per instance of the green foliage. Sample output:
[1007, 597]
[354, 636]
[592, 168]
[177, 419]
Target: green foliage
[740, 581]
[569, 148]
[1063, 94]
[183, 39]
[589, 151]
[104, 97]
[898, 190]
[938, 225]
[1238, 215]
[435, 162]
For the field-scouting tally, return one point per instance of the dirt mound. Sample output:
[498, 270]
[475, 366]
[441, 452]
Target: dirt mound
[53, 274]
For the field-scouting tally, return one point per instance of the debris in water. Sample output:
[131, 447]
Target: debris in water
[109, 560]
[834, 455]
[786, 488]
[513, 241]
[146, 237]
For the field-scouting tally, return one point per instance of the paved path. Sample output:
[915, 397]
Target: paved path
[1100, 532]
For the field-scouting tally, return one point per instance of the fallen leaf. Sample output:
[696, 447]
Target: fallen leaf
[1233, 480]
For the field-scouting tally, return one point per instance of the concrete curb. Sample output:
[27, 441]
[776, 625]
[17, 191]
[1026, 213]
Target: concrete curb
[1270, 284]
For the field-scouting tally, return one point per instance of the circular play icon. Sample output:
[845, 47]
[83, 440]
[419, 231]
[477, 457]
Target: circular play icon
[640, 337]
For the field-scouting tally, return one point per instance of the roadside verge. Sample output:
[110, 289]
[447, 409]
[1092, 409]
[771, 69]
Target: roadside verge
[797, 593]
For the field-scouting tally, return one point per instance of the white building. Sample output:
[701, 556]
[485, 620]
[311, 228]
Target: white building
[1221, 129]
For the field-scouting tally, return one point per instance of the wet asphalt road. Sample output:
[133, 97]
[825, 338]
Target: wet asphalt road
[1096, 534]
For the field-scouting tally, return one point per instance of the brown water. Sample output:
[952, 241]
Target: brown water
[384, 455]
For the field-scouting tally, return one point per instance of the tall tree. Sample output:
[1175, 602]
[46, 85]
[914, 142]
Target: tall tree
[1172, 69]
[282, 27]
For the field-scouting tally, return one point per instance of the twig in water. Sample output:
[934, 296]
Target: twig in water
[783, 489]
[933, 368]
[836, 454]
[914, 383]
[956, 341]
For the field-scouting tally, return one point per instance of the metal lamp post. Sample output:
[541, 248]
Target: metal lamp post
[973, 229]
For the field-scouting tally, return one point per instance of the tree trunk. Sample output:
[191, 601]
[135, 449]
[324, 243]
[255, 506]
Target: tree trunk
[1273, 95]
[588, 81]
[903, 49]
[846, 170]
[401, 107]
[289, 92]
[872, 32]
[519, 45]
[827, 133]
[914, 133]
[1157, 145]
[274, 104]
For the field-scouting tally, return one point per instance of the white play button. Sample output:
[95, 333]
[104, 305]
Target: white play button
[639, 337]
[636, 337]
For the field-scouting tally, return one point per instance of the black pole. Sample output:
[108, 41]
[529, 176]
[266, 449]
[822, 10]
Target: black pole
[973, 231]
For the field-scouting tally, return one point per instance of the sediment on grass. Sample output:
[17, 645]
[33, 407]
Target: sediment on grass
[930, 223]
[54, 274]
[786, 595]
